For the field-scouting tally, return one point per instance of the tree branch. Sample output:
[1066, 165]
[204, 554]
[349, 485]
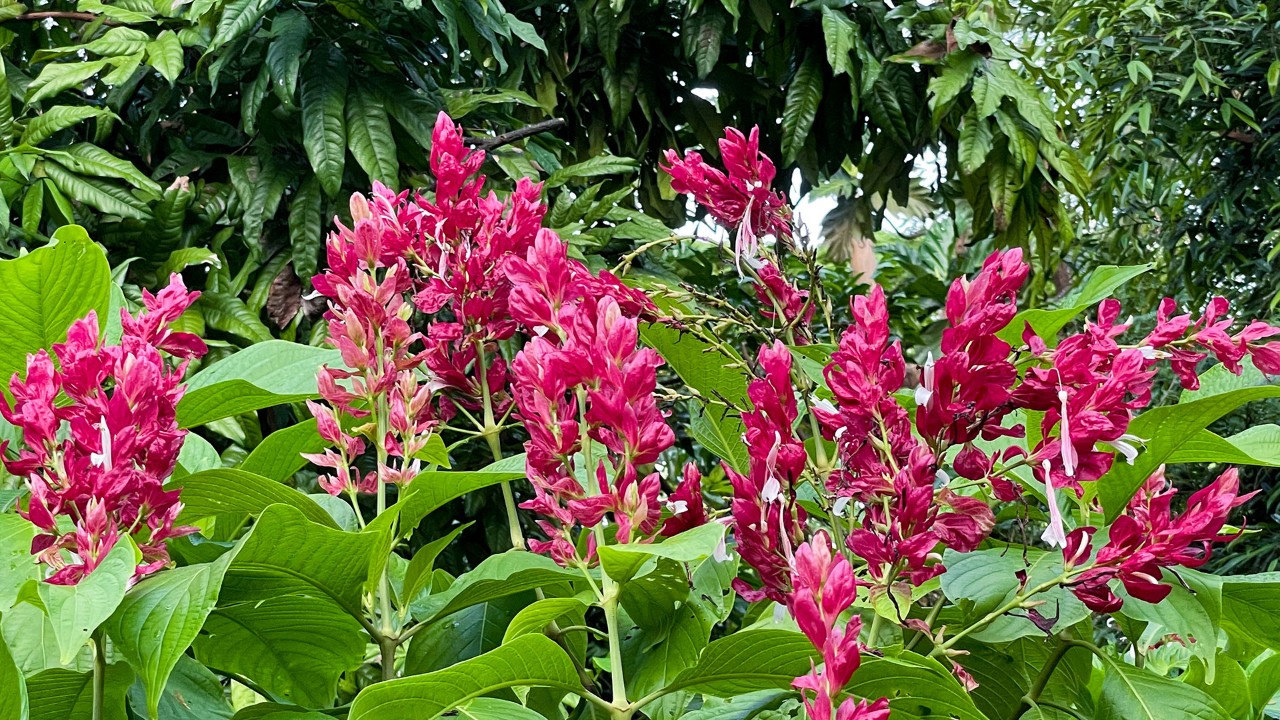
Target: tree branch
[63, 15]
[489, 144]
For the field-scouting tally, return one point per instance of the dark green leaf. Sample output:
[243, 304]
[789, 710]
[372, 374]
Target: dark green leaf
[801, 108]
[324, 132]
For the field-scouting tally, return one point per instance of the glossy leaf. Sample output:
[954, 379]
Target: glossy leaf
[77, 610]
[229, 491]
[262, 375]
[324, 131]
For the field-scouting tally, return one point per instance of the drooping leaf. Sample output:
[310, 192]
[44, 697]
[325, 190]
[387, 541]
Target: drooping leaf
[495, 577]
[290, 30]
[531, 661]
[56, 119]
[369, 137]
[622, 562]
[165, 55]
[801, 108]
[324, 131]
[306, 235]
[535, 617]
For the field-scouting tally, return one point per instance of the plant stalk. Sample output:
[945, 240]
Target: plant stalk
[99, 674]
[1042, 680]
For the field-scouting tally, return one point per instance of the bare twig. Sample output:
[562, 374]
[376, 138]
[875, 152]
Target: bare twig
[489, 144]
[63, 15]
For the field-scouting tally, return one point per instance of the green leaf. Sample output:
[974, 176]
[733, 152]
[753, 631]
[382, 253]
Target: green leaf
[1251, 606]
[97, 193]
[306, 231]
[530, 661]
[1179, 614]
[324, 134]
[77, 610]
[290, 30]
[1228, 685]
[6, 108]
[1131, 693]
[720, 432]
[57, 77]
[801, 107]
[59, 694]
[495, 709]
[238, 18]
[1264, 678]
[838, 30]
[468, 634]
[279, 455]
[975, 143]
[699, 365]
[622, 562]
[1166, 429]
[1101, 283]
[287, 554]
[945, 87]
[273, 711]
[1273, 76]
[165, 55]
[13, 689]
[160, 617]
[231, 491]
[262, 375]
[229, 314]
[295, 647]
[16, 566]
[917, 687]
[496, 576]
[183, 258]
[748, 661]
[1257, 445]
[369, 136]
[430, 490]
[192, 693]
[418, 573]
[89, 159]
[535, 618]
[58, 118]
[595, 167]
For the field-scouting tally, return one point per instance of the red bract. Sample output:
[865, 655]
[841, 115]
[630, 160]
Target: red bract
[1187, 342]
[742, 200]
[1148, 537]
[780, 299]
[686, 505]
[823, 587]
[884, 467]
[100, 458]
[584, 386]
[965, 394]
[767, 521]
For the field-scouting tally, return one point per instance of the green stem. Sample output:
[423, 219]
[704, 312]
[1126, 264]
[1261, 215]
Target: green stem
[99, 674]
[990, 617]
[875, 629]
[929, 620]
[1042, 680]
[386, 636]
[490, 430]
[387, 652]
[611, 592]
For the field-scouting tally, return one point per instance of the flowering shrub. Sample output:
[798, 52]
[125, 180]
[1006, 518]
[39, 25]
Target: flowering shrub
[997, 541]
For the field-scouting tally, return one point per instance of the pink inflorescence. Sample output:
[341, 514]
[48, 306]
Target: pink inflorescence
[100, 437]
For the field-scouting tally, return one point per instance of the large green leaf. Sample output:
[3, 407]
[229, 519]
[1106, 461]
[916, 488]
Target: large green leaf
[1166, 429]
[1257, 445]
[262, 375]
[295, 647]
[160, 617]
[285, 553]
[747, 661]
[165, 55]
[719, 430]
[593, 167]
[467, 634]
[430, 491]
[306, 232]
[58, 118]
[1178, 614]
[58, 694]
[43, 292]
[99, 194]
[238, 18]
[279, 455]
[530, 661]
[418, 573]
[56, 77]
[193, 692]
[227, 490]
[1251, 606]
[13, 688]
[535, 617]
[284, 56]
[1132, 693]
[77, 610]
[369, 137]
[324, 132]
[917, 687]
[701, 366]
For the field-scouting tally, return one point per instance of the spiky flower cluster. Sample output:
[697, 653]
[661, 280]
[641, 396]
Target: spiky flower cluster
[100, 437]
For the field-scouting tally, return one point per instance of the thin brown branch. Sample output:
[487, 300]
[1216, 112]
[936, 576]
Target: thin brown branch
[63, 15]
[489, 144]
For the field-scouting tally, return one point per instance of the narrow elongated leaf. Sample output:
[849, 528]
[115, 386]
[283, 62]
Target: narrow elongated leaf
[284, 56]
[160, 617]
[238, 18]
[228, 313]
[324, 132]
[97, 193]
[57, 118]
[838, 30]
[306, 235]
[975, 143]
[89, 159]
[595, 167]
[6, 109]
[801, 107]
[233, 491]
[1102, 282]
[262, 375]
[1258, 445]
[56, 77]
[418, 573]
[531, 661]
[369, 137]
